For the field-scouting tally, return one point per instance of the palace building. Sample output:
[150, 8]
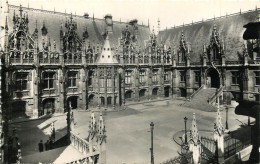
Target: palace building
[52, 60]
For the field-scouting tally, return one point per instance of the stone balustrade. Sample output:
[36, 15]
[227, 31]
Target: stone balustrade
[80, 144]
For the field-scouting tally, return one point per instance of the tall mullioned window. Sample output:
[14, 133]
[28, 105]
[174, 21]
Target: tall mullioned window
[257, 78]
[235, 77]
[48, 79]
[154, 78]
[142, 76]
[21, 81]
[128, 77]
[182, 76]
[72, 79]
[166, 76]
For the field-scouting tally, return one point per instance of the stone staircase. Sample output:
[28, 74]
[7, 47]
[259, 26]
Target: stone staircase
[200, 100]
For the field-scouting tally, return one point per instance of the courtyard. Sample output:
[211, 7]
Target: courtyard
[128, 131]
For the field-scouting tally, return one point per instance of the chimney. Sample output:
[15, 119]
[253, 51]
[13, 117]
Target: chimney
[109, 22]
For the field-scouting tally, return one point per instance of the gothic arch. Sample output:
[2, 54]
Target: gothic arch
[213, 78]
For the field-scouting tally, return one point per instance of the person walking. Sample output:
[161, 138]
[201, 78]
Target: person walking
[40, 146]
[47, 145]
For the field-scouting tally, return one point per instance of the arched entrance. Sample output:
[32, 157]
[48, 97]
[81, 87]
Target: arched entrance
[142, 93]
[18, 109]
[155, 91]
[48, 106]
[73, 100]
[102, 99]
[183, 92]
[128, 94]
[167, 91]
[109, 100]
[91, 100]
[212, 78]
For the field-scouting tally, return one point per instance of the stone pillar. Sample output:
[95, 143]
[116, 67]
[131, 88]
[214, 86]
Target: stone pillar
[105, 76]
[175, 85]
[189, 88]
[123, 86]
[137, 84]
[219, 137]
[61, 78]
[161, 81]
[195, 143]
[113, 72]
[102, 141]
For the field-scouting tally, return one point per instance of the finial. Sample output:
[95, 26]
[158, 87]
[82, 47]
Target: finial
[93, 16]
[148, 23]
[21, 11]
[54, 9]
[28, 5]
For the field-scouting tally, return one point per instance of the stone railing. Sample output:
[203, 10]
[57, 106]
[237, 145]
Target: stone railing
[254, 62]
[197, 91]
[215, 95]
[78, 143]
[181, 64]
[234, 62]
[195, 63]
[155, 82]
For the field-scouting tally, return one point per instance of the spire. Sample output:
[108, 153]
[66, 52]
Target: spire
[158, 27]
[148, 23]
[107, 55]
[93, 17]
[21, 11]
[194, 133]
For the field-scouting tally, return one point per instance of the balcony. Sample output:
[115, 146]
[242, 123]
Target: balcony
[90, 88]
[155, 82]
[166, 81]
[181, 64]
[254, 62]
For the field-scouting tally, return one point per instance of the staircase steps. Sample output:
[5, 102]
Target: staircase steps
[200, 100]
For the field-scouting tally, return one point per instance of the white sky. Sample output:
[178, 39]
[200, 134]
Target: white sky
[170, 12]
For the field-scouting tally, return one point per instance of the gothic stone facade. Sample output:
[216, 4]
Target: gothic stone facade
[44, 74]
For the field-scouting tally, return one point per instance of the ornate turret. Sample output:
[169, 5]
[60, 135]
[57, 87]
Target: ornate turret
[107, 56]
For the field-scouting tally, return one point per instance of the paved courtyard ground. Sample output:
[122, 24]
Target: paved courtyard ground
[128, 136]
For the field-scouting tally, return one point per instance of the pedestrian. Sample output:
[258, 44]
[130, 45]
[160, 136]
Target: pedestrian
[50, 144]
[40, 146]
[47, 145]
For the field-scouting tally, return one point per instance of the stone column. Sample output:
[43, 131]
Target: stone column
[219, 137]
[36, 93]
[136, 78]
[189, 83]
[174, 83]
[105, 76]
[113, 85]
[195, 143]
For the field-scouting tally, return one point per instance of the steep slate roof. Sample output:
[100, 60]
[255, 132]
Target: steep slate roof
[54, 20]
[230, 27]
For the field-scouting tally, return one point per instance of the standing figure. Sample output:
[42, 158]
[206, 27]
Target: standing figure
[40, 146]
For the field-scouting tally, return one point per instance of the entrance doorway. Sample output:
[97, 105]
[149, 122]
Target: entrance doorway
[183, 92]
[102, 99]
[73, 100]
[91, 100]
[167, 91]
[48, 106]
[212, 78]
[109, 100]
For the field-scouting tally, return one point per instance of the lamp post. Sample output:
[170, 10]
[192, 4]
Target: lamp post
[185, 121]
[152, 157]
[226, 118]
